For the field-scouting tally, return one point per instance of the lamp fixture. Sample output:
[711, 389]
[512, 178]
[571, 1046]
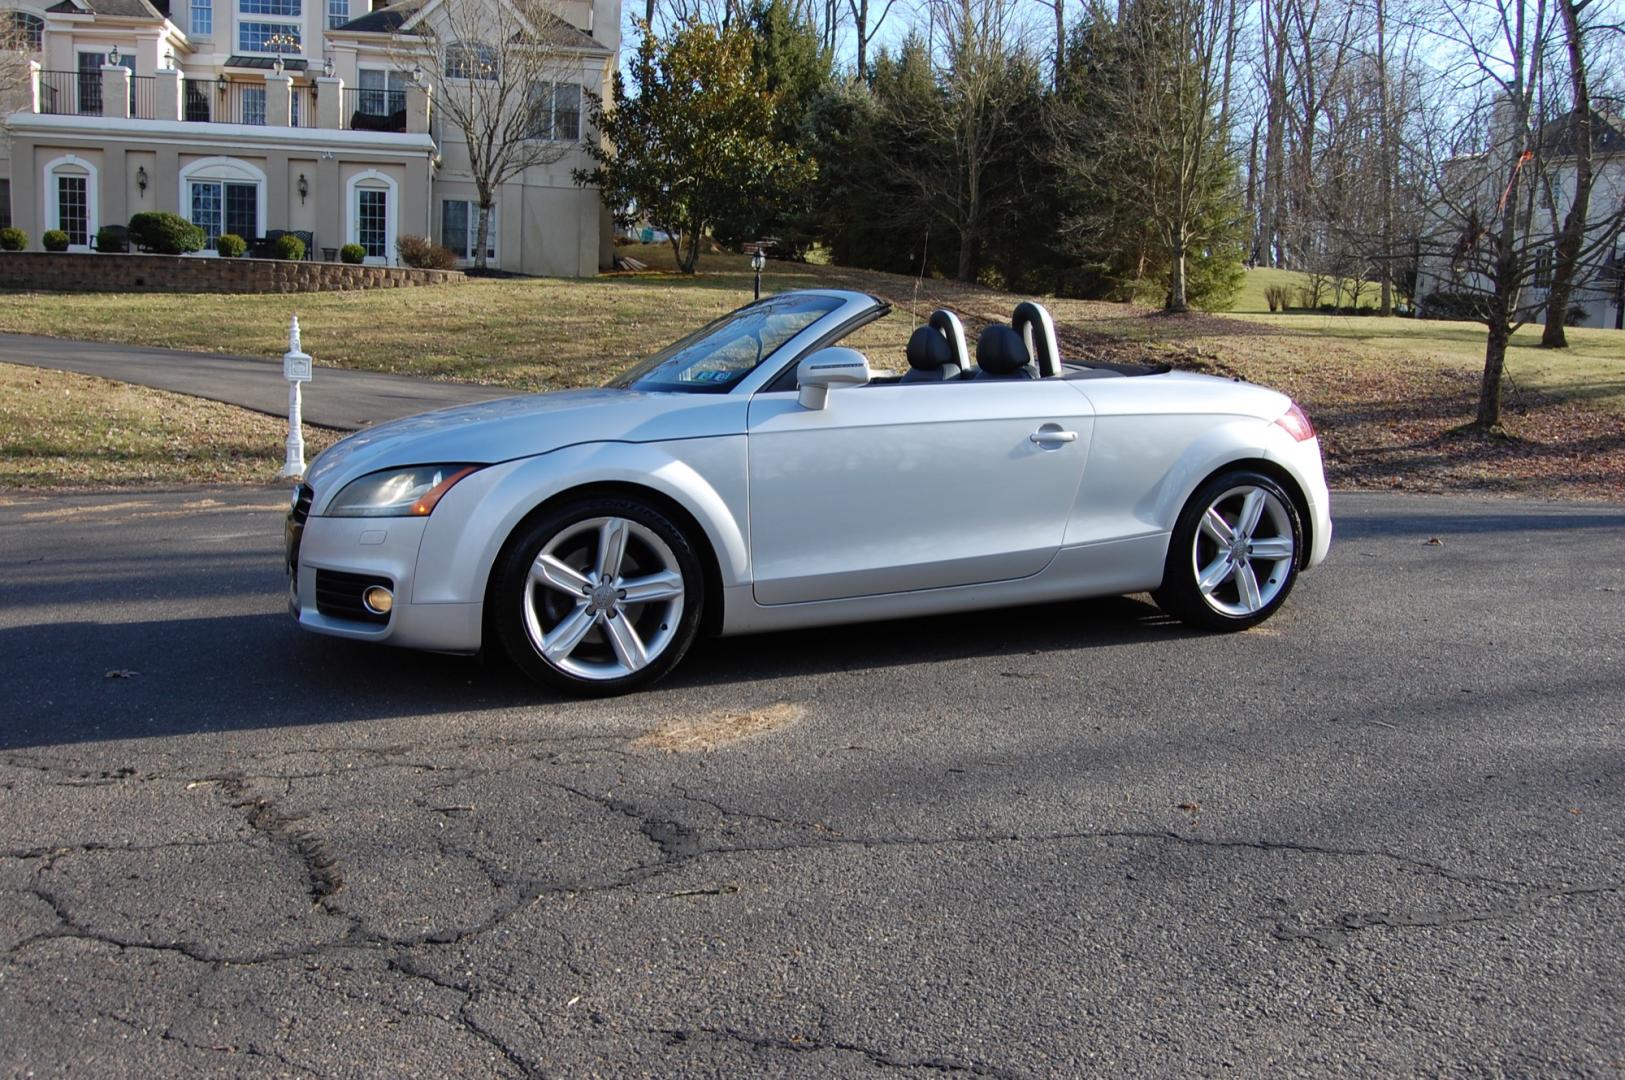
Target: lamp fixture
[276, 65]
[169, 59]
[113, 57]
[223, 81]
[327, 68]
[141, 178]
[417, 74]
[304, 188]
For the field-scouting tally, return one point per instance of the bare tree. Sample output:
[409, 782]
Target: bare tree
[866, 28]
[494, 67]
[19, 41]
[1580, 138]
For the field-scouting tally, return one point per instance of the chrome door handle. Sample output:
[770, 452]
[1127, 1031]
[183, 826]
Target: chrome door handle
[1052, 437]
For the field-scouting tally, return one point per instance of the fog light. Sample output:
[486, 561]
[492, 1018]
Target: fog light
[378, 599]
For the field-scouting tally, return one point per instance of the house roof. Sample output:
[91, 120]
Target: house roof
[1607, 133]
[128, 9]
[384, 20]
[553, 30]
[266, 63]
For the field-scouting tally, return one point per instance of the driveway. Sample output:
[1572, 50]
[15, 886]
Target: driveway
[1382, 834]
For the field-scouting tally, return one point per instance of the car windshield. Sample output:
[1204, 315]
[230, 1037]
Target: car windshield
[715, 357]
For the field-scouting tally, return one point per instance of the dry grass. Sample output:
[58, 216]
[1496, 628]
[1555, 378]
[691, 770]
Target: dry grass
[699, 734]
[60, 430]
[1383, 391]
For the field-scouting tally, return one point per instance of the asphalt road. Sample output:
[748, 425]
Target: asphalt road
[336, 398]
[1381, 835]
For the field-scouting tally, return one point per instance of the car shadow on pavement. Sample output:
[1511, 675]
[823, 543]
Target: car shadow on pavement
[72, 682]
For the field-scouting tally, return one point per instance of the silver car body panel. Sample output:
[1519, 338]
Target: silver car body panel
[895, 500]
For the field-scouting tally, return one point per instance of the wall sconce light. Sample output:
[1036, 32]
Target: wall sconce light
[223, 82]
[169, 59]
[276, 65]
[417, 74]
[304, 188]
[327, 68]
[141, 178]
[113, 57]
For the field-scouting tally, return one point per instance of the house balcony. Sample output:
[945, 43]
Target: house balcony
[276, 100]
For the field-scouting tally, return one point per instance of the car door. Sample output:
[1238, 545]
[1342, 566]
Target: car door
[896, 487]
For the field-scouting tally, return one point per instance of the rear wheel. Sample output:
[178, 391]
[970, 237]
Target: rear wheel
[1233, 556]
[598, 597]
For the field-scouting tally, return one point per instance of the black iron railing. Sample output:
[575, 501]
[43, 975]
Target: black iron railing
[372, 110]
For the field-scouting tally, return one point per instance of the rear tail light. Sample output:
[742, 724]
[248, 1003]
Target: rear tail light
[1297, 424]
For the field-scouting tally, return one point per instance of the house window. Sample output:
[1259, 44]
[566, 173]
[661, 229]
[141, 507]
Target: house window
[202, 18]
[221, 207]
[197, 101]
[372, 221]
[268, 37]
[460, 229]
[5, 204]
[253, 105]
[555, 112]
[466, 60]
[1543, 270]
[29, 29]
[383, 93]
[289, 9]
[73, 209]
[223, 195]
[338, 13]
[90, 83]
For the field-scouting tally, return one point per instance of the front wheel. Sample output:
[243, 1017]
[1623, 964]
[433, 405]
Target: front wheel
[598, 597]
[1233, 556]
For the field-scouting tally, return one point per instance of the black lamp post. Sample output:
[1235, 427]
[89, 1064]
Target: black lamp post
[757, 262]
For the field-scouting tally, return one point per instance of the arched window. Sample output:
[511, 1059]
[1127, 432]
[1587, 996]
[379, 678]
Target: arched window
[223, 195]
[71, 199]
[470, 60]
[27, 28]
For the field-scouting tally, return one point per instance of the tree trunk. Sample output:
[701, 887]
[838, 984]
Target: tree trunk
[966, 269]
[483, 233]
[860, 19]
[1176, 303]
[1566, 252]
[675, 239]
[1386, 172]
[1495, 358]
[1060, 45]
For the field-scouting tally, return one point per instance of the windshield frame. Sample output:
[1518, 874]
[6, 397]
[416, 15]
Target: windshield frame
[638, 377]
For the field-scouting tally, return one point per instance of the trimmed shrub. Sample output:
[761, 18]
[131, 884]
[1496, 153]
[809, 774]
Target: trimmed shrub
[354, 254]
[422, 253]
[13, 239]
[163, 233]
[1276, 296]
[1462, 306]
[231, 246]
[55, 240]
[112, 240]
[289, 247]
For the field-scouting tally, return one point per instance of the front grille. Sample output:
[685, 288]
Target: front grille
[338, 595]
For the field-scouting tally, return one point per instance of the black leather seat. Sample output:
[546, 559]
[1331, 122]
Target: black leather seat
[1001, 353]
[930, 357]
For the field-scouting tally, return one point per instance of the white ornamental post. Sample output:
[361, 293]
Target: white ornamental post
[296, 369]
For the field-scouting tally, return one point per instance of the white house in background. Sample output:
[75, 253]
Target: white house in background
[248, 116]
[1597, 289]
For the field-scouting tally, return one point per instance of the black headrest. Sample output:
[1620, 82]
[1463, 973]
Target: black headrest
[928, 350]
[1001, 351]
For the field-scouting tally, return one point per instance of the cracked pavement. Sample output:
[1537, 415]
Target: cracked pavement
[1380, 834]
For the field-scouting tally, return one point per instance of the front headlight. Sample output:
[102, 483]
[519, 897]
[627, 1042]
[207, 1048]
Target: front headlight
[409, 492]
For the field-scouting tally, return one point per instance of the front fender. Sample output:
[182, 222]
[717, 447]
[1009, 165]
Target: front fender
[475, 518]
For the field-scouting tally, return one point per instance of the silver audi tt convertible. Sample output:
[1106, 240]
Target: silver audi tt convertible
[757, 475]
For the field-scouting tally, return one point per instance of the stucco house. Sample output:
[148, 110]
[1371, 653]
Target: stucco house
[247, 116]
[1474, 185]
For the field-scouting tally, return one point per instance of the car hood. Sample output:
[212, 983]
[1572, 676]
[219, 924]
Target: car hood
[523, 426]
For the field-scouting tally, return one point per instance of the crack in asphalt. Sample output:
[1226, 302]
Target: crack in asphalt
[470, 995]
[878, 1058]
[1353, 922]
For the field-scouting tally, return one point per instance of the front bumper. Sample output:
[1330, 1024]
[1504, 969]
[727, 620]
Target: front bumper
[383, 548]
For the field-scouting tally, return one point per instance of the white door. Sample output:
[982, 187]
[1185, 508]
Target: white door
[893, 488]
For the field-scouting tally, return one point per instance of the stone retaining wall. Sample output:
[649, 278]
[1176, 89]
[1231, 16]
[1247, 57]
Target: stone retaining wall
[44, 271]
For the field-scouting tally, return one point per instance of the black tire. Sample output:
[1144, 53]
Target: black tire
[1228, 606]
[527, 614]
